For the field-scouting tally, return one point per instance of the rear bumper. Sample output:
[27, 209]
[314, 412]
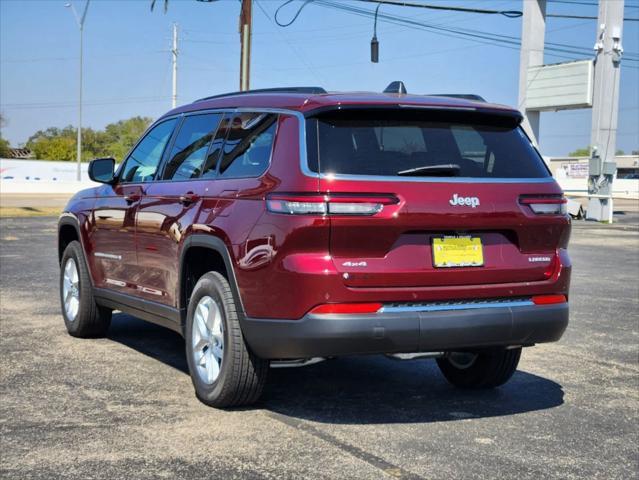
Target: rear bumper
[405, 331]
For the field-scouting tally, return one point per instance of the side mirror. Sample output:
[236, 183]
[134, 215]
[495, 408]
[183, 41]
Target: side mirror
[102, 170]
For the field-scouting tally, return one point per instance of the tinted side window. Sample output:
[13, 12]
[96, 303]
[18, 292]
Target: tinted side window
[247, 150]
[144, 159]
[188, 154]
[209, 170]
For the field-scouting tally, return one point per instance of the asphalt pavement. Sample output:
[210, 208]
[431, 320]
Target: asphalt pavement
[123, 406]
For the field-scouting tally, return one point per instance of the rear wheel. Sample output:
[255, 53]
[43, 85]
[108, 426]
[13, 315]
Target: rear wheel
[485, 369]
[82, 316]
[225, 373]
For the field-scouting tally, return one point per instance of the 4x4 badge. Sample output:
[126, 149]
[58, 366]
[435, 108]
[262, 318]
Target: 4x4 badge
[355, 264]
[464, 201]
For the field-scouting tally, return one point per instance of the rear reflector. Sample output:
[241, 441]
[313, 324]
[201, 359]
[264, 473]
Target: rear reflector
[347, 308]
[342, 204]
[548, 299]
[546, 205]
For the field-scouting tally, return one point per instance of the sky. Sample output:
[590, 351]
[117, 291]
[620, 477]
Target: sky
[127, 60]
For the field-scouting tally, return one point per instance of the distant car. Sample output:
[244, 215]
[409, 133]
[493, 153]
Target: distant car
[7, 177]
[294, 224]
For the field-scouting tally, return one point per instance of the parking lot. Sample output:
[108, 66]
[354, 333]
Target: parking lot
[123, 406]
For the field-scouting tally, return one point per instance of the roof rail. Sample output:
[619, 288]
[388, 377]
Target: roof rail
[308, 90]
[465, 96]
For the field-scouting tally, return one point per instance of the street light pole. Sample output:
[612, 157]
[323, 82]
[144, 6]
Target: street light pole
[605, 111]
[80, 20]
[174, 56]
[246, 20]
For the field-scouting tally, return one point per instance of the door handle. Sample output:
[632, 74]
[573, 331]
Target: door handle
[133, 197]
[189, 198]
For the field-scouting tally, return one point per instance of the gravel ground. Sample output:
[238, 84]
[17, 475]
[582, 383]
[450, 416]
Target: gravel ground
[123, 406]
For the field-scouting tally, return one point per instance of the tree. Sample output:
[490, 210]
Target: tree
[585, 152]
[580, 152]
[114, 141]
[53, 144]
[120, 137]
[5, 148]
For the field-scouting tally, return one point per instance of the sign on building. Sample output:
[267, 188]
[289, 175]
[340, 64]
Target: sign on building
[560, 86]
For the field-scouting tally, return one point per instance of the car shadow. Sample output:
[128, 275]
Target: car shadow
[361, 389]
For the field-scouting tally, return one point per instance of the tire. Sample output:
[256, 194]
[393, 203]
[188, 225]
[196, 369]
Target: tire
[82, 316]
[224, 372]
[488, 369]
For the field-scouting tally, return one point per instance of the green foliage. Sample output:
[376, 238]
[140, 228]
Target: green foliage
[585, 152]
[114, 141]
[580, 152]
[4, 148]
[4, 144]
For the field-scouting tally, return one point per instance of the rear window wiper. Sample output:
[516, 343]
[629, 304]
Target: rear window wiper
[450, 169]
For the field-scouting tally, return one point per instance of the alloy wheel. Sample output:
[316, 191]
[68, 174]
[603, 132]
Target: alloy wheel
[207, 339]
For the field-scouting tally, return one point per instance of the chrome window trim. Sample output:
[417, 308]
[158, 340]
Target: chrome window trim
[221, 111]
[303, 155]
[456, 306]
[167, 158]
[120, 170]
[394, 178]
[381, 178]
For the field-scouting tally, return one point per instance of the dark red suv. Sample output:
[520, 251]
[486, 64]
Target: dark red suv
[295, 224]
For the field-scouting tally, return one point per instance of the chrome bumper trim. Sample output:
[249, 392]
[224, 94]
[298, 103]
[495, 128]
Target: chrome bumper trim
[440, 307]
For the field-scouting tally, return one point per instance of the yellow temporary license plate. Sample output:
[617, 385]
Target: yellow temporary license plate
[457, 252]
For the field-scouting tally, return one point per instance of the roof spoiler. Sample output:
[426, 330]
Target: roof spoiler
[465, 96]
[307, 90]
[399, 88]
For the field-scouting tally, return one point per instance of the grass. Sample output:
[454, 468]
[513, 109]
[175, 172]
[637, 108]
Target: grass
[29, 211]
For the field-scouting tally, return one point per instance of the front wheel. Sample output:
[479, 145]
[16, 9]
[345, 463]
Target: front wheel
[83, 317]
[224, 372]
[485, 369]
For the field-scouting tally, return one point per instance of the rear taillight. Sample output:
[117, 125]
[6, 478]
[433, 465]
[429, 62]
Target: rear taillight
[329, 204]
[545, 205]
[549, 299]
[347, 308]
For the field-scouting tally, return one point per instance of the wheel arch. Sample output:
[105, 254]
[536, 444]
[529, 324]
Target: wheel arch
[68, 231]
[215, 246]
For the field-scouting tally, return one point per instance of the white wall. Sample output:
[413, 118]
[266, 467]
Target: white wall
[37, 176]
[59, 177]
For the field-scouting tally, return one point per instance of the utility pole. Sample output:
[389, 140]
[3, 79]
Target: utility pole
[80, 20]
[605, 109]
[533, 30]
[174, 55]
[246, 19]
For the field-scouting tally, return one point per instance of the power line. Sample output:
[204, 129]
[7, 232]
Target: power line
[505, 13]
[73, 104]
[585, 17]
[488, 38]
[589, 4]
[397, 3]
[570, 2]
[306, 63]
[65, 59]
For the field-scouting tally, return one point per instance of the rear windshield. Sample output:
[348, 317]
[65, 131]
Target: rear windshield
[459, 144]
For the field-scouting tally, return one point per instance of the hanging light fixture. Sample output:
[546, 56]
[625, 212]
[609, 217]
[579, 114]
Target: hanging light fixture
[374, 42]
